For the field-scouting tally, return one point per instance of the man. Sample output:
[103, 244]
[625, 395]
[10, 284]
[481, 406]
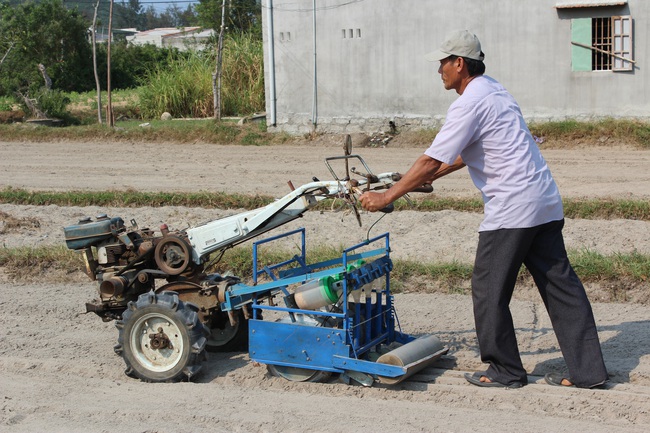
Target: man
[523, 219]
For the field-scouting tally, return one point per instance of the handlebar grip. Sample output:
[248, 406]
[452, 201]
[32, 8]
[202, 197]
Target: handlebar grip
[388, 209]
[426, 188]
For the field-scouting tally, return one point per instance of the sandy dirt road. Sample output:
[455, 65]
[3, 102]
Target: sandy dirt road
[58, 372]
[603, 172]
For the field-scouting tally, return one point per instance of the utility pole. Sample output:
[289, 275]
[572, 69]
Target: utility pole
[109, 105]
[216, 77]
[314, 111]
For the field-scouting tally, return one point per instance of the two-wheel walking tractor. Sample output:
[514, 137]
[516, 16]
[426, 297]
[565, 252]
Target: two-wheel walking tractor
[305, 321]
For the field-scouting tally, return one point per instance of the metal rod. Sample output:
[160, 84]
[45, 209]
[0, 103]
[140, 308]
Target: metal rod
[314, 114]
[603, 51]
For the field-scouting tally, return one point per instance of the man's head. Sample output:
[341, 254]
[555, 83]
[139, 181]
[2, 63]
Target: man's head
[461, 59]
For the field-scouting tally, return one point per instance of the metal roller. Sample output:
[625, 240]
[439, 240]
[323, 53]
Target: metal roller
[413, 356]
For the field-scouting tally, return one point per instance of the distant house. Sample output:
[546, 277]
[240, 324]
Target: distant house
[182, 38]
[101, 34]
[357, 65]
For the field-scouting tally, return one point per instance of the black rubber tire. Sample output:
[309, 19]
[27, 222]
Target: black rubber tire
[226, 338]
[153, 312]
[296, 374]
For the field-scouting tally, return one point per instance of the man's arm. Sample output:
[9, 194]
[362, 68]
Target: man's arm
[445, 169]
[424, 170]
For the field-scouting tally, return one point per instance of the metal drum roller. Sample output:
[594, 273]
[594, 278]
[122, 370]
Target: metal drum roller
[413, 356]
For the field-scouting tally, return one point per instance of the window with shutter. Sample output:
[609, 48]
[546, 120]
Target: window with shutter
[602, 44]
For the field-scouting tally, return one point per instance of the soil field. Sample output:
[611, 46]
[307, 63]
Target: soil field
[58, 371]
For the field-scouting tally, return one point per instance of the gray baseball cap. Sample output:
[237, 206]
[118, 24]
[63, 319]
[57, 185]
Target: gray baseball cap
[459, 43]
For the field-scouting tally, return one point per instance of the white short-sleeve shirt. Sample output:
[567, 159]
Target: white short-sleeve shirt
[486, 128]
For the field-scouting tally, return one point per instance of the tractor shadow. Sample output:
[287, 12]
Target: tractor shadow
[220, 364]
[625, 355]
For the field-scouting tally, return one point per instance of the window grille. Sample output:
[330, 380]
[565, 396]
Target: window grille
[601, 38]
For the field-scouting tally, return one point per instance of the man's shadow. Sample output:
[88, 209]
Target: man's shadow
[622, 352]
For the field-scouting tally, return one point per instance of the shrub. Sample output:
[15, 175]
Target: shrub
[53, 103]
[183, 87]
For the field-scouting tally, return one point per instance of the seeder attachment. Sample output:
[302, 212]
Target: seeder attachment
[333, 317]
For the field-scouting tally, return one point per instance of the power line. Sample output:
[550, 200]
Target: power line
[120, 2]
[287, 8]
[126, 3]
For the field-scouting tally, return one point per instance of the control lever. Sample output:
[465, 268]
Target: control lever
[354, 186]
[371, 178]
[347, 151]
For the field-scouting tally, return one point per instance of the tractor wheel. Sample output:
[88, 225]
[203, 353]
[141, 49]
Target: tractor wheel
[297, 374]
[161, 338]
[227, 338]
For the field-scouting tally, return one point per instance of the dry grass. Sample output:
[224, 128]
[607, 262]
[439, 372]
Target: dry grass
[9, 223]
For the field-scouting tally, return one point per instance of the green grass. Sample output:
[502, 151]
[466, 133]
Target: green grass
[185, 90]
[6, 104]
[87, 101]
[617, 271]
[133, 199]
[239, 260]
[595, 266]
[226, 132]
[605, 130]
[438, 204]
[607, 209]
[574, 208]
[27, 263]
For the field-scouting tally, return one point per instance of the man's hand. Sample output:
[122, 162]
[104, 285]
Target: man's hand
[373, 201]
[424, 171]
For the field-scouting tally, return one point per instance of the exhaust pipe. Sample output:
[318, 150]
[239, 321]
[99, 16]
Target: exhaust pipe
[114, 286]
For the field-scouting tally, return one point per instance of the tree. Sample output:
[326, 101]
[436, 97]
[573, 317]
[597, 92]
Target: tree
[46, 33]
[241, 15]
[152, 20]
[134, 16]
[172, 16]
[185, 18]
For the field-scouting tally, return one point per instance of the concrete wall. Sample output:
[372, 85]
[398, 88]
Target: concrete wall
[379, 74]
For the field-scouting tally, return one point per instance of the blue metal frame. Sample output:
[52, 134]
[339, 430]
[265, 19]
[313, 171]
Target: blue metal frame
[346, 334]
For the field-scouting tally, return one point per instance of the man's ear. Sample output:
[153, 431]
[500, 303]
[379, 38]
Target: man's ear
[459, 63]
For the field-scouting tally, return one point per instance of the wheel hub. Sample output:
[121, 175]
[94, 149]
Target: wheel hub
[160, 340]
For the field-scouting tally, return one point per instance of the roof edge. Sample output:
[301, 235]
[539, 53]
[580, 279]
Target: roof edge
[567, 4]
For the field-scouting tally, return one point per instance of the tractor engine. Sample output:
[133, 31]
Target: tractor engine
[127, 262]
[116, 257]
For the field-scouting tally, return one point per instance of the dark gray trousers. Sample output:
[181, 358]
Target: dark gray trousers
[541, 249]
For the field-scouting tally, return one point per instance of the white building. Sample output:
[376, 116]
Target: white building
[352, 66]
[182, 38]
